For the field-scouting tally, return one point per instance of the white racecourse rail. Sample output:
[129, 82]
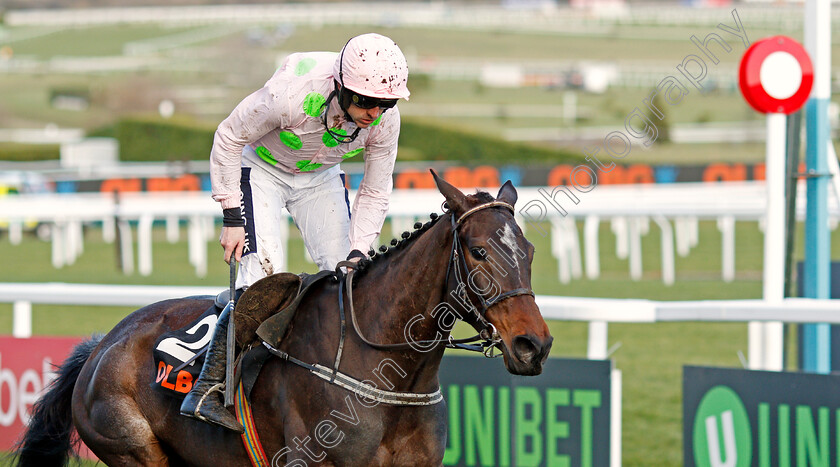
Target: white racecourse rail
[594, 310]
[674, 208]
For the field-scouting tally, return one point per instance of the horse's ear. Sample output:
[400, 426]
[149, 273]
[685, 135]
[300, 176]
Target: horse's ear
[456, 200]
[507, 193]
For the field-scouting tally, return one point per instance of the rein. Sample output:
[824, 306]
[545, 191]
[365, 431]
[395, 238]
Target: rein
[487, 338]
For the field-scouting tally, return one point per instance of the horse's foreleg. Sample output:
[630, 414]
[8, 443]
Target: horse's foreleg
[301, 448]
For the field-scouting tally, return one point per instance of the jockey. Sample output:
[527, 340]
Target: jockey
[281, 148]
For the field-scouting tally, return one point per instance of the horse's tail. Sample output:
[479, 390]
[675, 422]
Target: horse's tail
[48, 438]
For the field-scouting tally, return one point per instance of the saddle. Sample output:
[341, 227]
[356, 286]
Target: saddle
[267, 307]
[264, 311]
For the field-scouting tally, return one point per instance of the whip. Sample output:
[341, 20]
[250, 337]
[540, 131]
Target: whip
[231, 336]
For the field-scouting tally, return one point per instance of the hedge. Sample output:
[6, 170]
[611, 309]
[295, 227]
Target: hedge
[435, 143]
[155, 139]
[18, 152]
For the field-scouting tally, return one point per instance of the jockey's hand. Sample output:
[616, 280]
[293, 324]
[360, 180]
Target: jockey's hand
[355, 256]
[233, 241]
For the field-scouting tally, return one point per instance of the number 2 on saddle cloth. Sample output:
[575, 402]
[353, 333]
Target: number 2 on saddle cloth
[179, 353]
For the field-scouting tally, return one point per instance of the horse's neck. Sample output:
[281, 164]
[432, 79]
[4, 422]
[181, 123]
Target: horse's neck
[412, 280]
[405, 290]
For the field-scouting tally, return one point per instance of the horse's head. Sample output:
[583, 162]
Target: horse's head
[491, 264]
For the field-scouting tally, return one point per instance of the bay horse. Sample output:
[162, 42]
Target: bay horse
[407, 297]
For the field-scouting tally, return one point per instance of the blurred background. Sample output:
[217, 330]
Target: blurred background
[124, 96]
[532, 73]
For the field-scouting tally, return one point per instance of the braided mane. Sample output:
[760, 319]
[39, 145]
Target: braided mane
[377, 256]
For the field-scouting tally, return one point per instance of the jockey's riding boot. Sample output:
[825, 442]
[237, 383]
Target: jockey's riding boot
[204, 402]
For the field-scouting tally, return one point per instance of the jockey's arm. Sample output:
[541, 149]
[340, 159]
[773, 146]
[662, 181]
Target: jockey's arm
[256, 115]
[372, 199]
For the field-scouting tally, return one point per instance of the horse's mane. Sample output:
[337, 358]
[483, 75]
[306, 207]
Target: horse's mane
[384, 252]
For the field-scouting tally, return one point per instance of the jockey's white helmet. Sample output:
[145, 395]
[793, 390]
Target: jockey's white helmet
[373, 65]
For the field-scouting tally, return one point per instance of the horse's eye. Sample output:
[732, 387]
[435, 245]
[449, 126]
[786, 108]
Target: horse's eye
[478, 253]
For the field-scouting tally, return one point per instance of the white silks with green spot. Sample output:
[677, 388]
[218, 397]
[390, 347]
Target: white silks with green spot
[281, 128]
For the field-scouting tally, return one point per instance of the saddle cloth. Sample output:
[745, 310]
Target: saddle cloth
[175, 347]
[271, 301]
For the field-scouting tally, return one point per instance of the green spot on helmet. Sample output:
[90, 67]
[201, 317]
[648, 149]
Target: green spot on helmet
[328, 139]
[290, 139]
[307, 166]
[304, 66]
[312, 103]
[265, 155]
[352, 153]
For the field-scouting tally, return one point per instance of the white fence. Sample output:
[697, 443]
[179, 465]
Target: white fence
[597, 311]
[674, 209]
[556, 20]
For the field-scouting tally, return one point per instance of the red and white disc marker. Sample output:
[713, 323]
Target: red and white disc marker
[776, 75]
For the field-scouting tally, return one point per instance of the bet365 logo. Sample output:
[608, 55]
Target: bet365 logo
[722, 436]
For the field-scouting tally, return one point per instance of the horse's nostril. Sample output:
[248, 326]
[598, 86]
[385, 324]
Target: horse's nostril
[524, 348]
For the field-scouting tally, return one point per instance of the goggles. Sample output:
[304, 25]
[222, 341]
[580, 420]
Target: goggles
[365, 102]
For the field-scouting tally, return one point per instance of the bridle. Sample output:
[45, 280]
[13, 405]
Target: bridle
[458, 264]
[488, 337]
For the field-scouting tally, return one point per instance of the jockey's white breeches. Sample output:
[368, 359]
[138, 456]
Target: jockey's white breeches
[316, 201]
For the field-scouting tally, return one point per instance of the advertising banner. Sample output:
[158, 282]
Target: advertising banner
[26, 367]
[409, 175]
[742, 418]
[559, 418]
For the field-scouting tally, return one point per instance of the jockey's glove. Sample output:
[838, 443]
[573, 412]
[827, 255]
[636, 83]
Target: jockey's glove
[356, 254]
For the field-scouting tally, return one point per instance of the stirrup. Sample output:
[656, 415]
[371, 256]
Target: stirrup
[231, 424]
[218, 387]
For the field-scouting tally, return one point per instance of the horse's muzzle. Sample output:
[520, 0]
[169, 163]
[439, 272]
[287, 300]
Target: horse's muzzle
[528, 353]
